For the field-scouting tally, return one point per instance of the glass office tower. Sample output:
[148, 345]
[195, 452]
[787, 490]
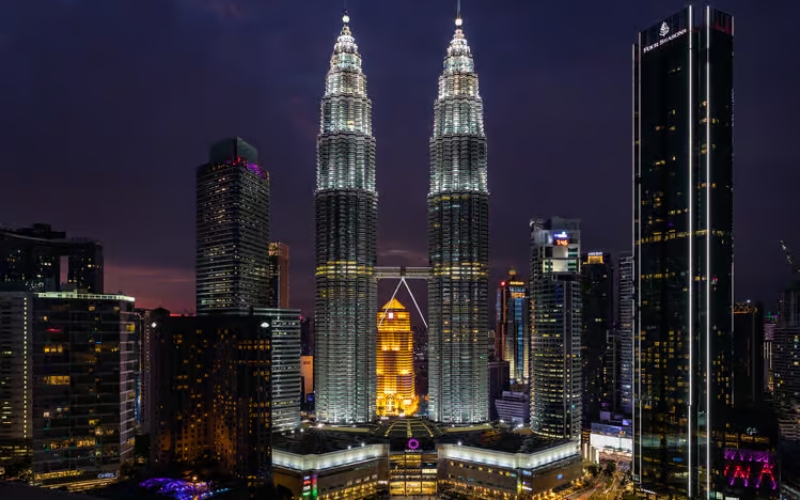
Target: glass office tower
[513, 327]
[232, 263]
[556, 295]
[683, 246]
[346, 231]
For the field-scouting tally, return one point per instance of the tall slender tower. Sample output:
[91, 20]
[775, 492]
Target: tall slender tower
[458, 241]
[346, 227]
[683, 250]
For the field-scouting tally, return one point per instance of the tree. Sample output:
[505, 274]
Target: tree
[611, 468]
[594, 470]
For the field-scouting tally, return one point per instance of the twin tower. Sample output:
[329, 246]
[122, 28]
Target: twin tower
[346, 233]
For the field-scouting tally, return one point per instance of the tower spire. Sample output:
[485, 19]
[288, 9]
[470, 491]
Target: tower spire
[459, 22]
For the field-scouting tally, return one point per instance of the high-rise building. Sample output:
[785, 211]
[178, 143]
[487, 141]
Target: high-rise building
[556, 293]
[395, 363]
[214, 393]
[31, 258]
[279, 275]
[232, 262]
[683, 242]
[770, 322]
[458, 244]
[748, 354]
[513, 326]
[307, 336]
[599, 376]
[148, 322]
[346, 231]
[624, 332]
[786, 365]
[69, 398]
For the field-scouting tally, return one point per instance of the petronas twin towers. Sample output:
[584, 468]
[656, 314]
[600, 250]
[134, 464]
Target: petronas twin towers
[346, 234]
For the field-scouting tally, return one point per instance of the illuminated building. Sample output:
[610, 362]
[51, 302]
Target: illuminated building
[67, 345]
[458, 242]
[786, 365]
[207, 405]
[682, 183]
[16, 384]
[555, 290]
[279, 275]
[411, 457]
[395, 362]
[346, 227]
[624, 333]
[513, 326]
[232, 262]
[32, 257]
[770, 322]
[599, 370]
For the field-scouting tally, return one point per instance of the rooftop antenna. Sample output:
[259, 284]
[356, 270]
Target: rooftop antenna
[459, 21]
[346, 17]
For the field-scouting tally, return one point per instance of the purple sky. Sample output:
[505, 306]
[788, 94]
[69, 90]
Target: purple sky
[108, 106]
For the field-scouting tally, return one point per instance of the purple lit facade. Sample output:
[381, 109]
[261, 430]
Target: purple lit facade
[181, 490]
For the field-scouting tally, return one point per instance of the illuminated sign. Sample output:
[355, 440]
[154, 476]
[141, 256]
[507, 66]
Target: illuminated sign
[560, 236]
[663, 41]
[412, 444]
[595, 258]
[107, 475]
[664, 31]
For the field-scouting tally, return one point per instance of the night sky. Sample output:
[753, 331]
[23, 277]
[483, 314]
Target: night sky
[108, 106]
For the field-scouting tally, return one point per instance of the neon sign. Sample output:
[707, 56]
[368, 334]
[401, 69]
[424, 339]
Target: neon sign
[412, 444]
[561, 236]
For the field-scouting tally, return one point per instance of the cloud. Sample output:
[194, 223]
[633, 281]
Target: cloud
[152, 286]
[403, 257]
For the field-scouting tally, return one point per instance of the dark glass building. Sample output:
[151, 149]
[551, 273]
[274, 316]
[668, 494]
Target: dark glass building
[599, 372]
[683, 250]
[212, 390]
[513, 327]
[346, 204]
[232, 265]
[279, 275]
[31, 258]
[458, 245]
[748, 354]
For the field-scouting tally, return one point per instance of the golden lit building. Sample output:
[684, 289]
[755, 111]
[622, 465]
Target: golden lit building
[395, 362]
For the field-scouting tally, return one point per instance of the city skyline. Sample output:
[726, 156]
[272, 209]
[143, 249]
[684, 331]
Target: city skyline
[402, 240]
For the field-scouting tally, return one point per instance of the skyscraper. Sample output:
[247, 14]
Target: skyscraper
[624, 332]
[513, 326]
[683, 244]
[597, 279]
[232, 261]
[31, 258]
[279, 275]
[395, 365]
[346, 227]
[748, 354]
[458, 244]
[555, 291]
[786, 365]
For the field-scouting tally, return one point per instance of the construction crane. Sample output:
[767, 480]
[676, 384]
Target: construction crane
[789, 258]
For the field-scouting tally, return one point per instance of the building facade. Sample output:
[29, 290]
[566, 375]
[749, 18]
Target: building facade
[786, 366]
[458, 244]
[556, 293]
[31, 257]
[683, 243]
[624, 332]
[598, 346]
[395, 363]
[748, 354]
[279, 275]
[232, 262]
[513, 327]
[69, 398]
[346, 230]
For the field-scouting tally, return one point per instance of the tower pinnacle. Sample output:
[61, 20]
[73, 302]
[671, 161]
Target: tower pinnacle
[459, 21]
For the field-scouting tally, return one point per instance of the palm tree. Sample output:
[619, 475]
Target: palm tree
[611, 468]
